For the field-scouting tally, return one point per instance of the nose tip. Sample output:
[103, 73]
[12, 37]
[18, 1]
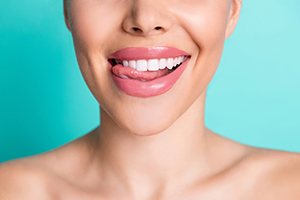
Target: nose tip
[144, 18]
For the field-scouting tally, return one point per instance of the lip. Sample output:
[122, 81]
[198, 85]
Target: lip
[154, 87]
[137, 53]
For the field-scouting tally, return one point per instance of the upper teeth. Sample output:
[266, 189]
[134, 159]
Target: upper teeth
[153, 64]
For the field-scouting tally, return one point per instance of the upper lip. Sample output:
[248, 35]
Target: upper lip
[138, 53]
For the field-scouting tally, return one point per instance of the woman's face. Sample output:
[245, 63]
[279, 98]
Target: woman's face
[102, 27]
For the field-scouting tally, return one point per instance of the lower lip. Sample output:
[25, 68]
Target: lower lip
[151, 88]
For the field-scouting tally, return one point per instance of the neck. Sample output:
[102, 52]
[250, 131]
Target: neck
[179, 152]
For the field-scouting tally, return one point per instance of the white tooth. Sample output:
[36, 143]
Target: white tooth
[132, 64]
[176, 61]
[170, 63]
[162, 63]
[153, 65]
[141, 65]
[125, 63]
[181, 58]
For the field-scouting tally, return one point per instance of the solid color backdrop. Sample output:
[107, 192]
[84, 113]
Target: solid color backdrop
[254, 97]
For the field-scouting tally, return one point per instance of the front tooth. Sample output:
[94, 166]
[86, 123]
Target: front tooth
[141, 65]
[153, 65]
[125, 63]
[162, 63]
[170, 63]
[132, 64]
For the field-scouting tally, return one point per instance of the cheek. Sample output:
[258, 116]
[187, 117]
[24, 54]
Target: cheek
[206, 27]
[205, 22]
[93, 23]
[91, 28]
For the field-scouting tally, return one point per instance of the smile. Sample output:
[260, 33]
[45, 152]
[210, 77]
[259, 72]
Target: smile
[151, 64]
[146, 72]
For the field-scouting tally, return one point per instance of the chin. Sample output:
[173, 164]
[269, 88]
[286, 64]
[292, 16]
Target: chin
[146, 127]
[146, 131]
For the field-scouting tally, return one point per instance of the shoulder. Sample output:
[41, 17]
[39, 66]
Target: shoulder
[273, 174]
[45, 175]
[19, 180]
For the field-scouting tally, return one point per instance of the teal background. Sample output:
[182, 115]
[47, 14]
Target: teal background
[254, 97]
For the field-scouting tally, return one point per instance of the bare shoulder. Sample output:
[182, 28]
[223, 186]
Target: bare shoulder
[18, 180]
[42, 176]
[274, 174]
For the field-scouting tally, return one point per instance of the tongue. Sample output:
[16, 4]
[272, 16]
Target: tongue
[128, 72]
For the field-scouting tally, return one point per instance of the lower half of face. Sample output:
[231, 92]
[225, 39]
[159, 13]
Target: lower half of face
[115, 33]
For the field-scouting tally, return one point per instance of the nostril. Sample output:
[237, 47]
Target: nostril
[139, 30]
[136, 29]
[158, 28]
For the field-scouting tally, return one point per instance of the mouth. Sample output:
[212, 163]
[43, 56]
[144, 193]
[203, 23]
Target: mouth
[146, 72]
[146, 69]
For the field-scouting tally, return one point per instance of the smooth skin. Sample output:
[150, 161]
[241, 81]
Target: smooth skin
[154, 148]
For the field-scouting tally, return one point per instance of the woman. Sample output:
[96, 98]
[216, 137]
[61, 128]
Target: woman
[148, 63]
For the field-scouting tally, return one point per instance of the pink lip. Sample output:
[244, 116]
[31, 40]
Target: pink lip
[137, 53]
[154, 87]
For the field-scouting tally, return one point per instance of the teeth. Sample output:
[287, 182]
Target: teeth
[132, 64]
[142, 65]
[170, 63]
[162, 63]
[177, 61]
[182, 58]
[153, 64]
[125, 63]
